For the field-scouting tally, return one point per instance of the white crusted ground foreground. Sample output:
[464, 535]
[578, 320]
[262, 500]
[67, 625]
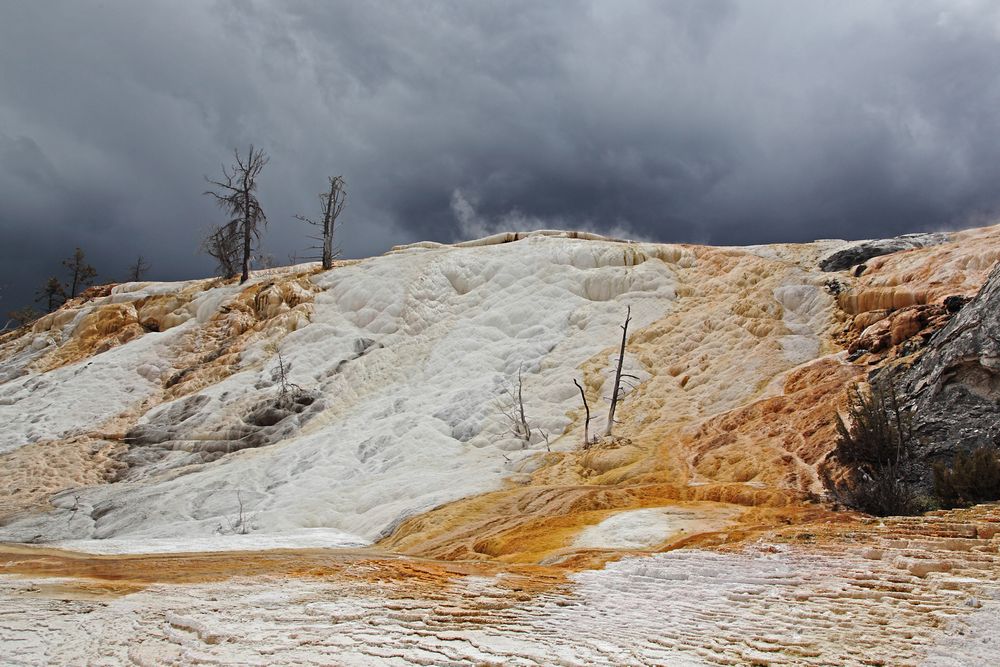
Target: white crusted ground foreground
[769, 605]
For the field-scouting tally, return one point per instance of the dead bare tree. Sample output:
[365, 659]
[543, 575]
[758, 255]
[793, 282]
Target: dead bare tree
[333, 202]
[138, 270]
[616, 396]
[74, 509]
[223, 245]
[286, 386]
[511, 408]
[81, 273]
[235, 194]
[586, 421]
[242, 523]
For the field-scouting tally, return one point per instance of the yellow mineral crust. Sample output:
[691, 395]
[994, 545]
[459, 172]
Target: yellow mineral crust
[106, 318]
[262, 312]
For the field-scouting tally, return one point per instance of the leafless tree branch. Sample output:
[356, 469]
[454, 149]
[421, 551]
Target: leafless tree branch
[333, 202]
[586, 421]
[235, 194]
[615, 399]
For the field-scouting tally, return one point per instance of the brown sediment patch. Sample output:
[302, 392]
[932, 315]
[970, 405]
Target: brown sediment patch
[86, 574]
[102, 328]
[900, 300]
[99, 324]
[32, 473]
[778, 442]
[264, 311]
[876, 335]
[718, 344]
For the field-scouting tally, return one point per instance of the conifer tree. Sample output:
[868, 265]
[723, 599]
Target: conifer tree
[81, 274]
[21, 317]
[53, 293]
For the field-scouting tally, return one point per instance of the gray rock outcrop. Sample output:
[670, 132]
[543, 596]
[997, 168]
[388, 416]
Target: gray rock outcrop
[862, 251]
[954, 387]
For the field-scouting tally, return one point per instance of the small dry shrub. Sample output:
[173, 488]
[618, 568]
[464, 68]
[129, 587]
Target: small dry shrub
[874, 444]
[972, 478]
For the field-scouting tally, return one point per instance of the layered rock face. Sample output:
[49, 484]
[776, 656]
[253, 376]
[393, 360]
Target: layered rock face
[954, 386]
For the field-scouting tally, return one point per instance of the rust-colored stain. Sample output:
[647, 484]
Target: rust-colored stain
[97, 575]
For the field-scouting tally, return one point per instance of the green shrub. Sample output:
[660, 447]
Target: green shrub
[874, 444]
[878, 433]
[972, 478]
[883, 494]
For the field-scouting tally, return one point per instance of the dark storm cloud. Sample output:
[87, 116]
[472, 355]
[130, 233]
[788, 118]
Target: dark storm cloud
[703, 120]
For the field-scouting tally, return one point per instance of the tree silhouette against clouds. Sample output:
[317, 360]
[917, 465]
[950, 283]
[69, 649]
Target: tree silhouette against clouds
[138, 270]
[235, 194]
[333, 202]
[53, 293]
[81, 273]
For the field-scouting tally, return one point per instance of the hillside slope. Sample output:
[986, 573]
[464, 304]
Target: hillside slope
[361, 403]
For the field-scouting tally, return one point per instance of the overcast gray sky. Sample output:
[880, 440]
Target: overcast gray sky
[674, 120]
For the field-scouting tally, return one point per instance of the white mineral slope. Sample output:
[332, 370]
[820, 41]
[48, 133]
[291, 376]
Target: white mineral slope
[79, 397]
[408, 353]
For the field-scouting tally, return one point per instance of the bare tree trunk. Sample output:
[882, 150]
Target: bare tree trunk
[586, 422]
[333, 205]
[234, 193]
[248, 225]
[328, 225]
[138, 270]
[618, 374]
[510, 404]
[81, 272]
[520, 402]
